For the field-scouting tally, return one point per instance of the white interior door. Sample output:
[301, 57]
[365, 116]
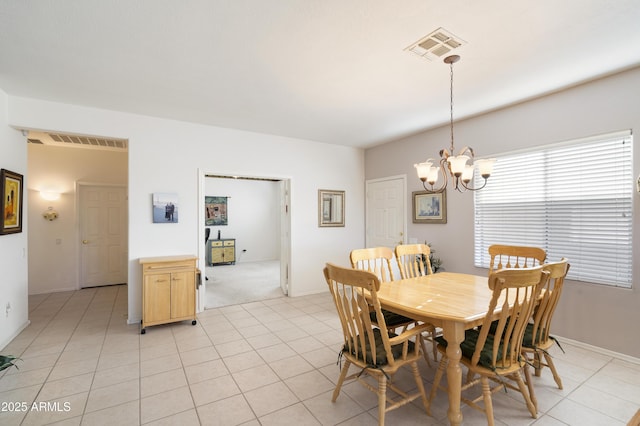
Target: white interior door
[386, 211]
[103, 235]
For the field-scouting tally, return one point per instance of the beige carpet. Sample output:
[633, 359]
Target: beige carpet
[242, 283]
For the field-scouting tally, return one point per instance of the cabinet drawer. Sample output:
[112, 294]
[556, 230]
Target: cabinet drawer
[216, 243]
[230, 243]
[163, 266]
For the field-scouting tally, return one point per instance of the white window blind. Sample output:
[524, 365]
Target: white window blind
[574, 200]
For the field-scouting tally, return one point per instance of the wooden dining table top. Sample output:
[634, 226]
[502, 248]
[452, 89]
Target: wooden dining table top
[434, 298]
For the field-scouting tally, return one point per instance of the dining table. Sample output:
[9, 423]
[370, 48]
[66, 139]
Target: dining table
[454, 302]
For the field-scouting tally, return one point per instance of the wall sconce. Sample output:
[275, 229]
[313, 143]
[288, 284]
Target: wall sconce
[50, 214]
[50, 195]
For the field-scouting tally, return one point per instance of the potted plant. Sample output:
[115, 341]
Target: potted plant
[7, 361]
[436, 262]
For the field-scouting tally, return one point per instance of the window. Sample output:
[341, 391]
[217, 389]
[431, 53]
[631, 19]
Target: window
[572, 199]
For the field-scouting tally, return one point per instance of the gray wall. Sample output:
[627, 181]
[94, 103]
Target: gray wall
[594, 314]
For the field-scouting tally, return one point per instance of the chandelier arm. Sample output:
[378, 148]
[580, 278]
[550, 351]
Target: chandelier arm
[467, 150]
[474, 189]
[434, 191]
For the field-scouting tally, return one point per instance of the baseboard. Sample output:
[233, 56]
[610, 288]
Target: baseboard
[56, 290]
[18, 331]
[134, 321]
[599, 350]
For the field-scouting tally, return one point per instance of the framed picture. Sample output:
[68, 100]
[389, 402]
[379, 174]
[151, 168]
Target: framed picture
[215, 211]
[429, 208]
[11, 193]
[330, 208]
[165, 207]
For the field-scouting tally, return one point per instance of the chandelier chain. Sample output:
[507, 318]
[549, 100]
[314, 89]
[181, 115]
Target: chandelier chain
[451, 105]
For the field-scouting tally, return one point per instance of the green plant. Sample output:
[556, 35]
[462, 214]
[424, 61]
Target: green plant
[436, 262]
[7, 361]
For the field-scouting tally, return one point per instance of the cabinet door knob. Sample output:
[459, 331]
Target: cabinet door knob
[85, 241]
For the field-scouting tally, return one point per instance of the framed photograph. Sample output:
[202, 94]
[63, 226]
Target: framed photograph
[429, 208]
[11, 193]
[330, 208]
[215, 211]
[165, 207]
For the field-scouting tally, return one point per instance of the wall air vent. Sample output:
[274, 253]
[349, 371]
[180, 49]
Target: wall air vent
[436, 45]
[77, 141]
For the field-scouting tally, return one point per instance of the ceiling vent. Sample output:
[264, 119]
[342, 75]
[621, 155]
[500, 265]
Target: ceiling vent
[436, 45]
[77, 141]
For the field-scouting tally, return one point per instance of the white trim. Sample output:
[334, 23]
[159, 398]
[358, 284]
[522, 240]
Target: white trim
[599, 350]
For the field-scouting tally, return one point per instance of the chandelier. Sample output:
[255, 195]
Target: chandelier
[459, 167]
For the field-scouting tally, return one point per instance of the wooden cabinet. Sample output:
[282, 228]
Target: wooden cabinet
[222, 251]
[168, 290]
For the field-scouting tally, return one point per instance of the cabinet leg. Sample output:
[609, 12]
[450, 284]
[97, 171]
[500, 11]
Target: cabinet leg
[194, 322]
[143, 331]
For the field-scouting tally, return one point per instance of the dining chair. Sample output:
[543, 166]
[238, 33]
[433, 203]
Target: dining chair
[376, 353]
[496, 358]
[413, 261]
[504, 256]
[378, 260]
[537, 339]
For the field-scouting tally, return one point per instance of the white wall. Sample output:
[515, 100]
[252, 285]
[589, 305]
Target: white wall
[168, 156]
[13, 247]
[53, 246]
[594, 314]
[253, 210]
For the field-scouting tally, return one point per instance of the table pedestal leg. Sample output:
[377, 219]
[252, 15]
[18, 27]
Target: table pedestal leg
[454, 334]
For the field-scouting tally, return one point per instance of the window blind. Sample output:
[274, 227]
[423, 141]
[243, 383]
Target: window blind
[574, 200]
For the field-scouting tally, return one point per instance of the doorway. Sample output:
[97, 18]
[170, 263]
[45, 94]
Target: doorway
[257, 225]
[61, 164]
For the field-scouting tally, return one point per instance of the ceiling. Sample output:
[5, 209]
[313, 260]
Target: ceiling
[333, 71]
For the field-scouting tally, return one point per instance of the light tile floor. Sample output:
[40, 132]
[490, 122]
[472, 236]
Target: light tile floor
[264, 363]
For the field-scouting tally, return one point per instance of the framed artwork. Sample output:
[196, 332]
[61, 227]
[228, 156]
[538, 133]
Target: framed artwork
[11, 193]
[429, 208]
[165, 207]
[215, 213]
[330, 208]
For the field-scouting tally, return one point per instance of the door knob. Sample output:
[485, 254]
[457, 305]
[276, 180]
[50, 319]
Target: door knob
[85, 241]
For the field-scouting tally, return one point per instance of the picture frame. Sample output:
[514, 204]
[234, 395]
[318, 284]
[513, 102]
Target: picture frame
[165, 207]
[11, 190]
[429, 207]
[330, 208]
[215, 211]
